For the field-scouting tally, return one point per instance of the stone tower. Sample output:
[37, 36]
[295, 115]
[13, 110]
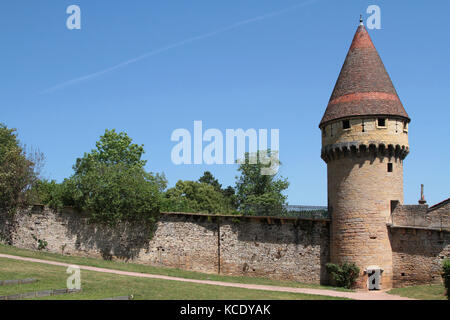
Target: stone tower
[364, 142]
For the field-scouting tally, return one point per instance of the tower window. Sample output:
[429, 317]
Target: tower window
[382, 122]
[405, 126]
[324, 132]
[346, 124]
[390, 167]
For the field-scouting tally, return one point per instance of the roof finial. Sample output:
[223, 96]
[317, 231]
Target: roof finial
[361, 20]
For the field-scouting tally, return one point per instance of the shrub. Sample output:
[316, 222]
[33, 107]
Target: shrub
[344, 275]
[446, 276]
[42, 244]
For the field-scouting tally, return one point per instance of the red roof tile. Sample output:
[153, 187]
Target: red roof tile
[363, 87]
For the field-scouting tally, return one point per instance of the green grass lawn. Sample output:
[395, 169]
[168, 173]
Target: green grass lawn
[425, 292]
[97, 285]
[155, 270]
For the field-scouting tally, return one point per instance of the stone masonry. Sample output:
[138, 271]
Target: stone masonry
[285, 249]
[364, 142]
[420, 238]
[289, 249]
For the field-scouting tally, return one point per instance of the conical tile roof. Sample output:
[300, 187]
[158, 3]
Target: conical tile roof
[363, 87]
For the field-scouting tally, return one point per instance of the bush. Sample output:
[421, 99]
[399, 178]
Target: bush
[344, 275]
[42, 244]
[446, 276]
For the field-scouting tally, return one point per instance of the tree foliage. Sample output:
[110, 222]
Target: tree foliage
[110, 183]
[208, 178]
[228, 193]
[49, 192]
[192, 196]
[112, 149]
[256, 191]
[18, 171]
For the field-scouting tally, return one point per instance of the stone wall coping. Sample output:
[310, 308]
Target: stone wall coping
[390, 225]
[232, 216]
[245, 217]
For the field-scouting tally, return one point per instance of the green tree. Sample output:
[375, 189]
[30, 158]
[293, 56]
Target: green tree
[228, 193]
[111, 183]
[258, 193]
[18, 171]
[230, 197]
[192, 196]
[49, 193]
[113, 148]
[208, 178]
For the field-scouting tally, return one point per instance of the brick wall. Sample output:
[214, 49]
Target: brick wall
[273, 248]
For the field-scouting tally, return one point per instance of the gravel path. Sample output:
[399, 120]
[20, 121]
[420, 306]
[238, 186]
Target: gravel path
[359, 295]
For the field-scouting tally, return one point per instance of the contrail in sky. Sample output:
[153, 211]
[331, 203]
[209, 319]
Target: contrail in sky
[175, 45]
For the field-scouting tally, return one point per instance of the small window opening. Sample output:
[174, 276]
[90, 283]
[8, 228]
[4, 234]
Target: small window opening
[405, 125]
[382, 122]
[390, 167]
[346, 124]
[363, 128]
[324, 132]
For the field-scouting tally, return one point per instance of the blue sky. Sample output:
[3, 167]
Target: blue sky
[275, 72]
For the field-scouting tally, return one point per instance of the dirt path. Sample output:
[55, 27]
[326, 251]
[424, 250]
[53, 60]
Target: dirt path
[379, 295]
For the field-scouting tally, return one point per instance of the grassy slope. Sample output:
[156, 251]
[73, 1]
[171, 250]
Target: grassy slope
[98, 285]
[155, 270]
[425, 292]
